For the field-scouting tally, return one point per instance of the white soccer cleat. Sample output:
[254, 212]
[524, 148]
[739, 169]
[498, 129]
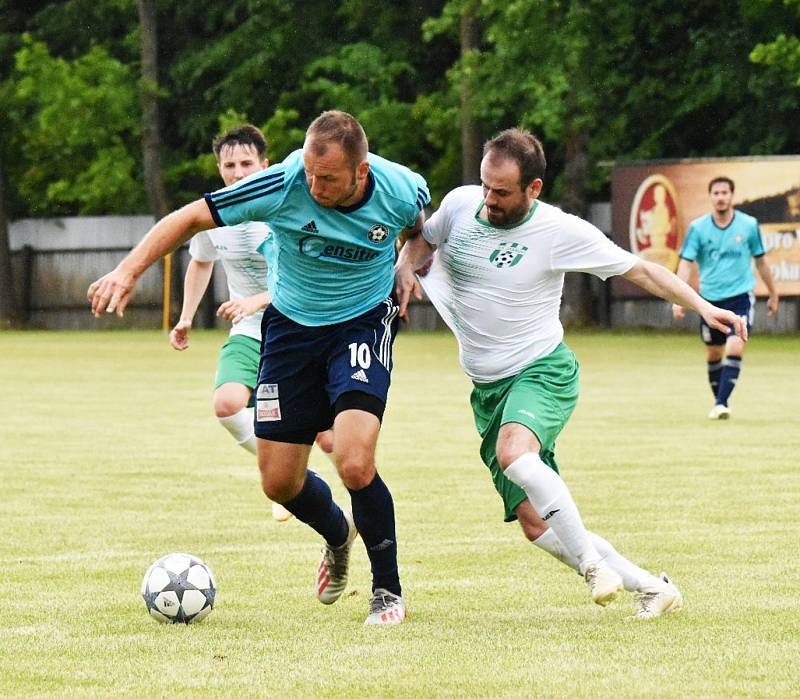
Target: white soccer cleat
[280, 513]
[719, 412]
[385, 608]
[333, 567]
[604, 583]
[667, 600]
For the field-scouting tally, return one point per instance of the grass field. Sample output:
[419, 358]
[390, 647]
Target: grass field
[111, 457]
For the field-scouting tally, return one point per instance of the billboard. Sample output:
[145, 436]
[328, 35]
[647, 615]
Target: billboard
[653, 203]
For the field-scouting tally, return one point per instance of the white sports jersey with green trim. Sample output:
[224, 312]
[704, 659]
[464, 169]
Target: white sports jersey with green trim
[499, 289]
[237, 248]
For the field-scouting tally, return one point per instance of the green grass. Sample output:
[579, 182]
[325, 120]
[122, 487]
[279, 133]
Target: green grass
[110, 457]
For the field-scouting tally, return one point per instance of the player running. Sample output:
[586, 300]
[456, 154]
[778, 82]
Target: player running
[497, 280]
[335, 211]
[724, 244]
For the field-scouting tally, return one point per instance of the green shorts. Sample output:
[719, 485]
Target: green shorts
[238, 361]
[541, 397]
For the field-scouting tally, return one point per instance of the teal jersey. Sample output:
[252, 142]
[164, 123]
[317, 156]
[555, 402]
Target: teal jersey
[724, 255]
[325, 265]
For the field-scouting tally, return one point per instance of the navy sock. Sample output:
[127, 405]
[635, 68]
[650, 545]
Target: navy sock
[728, 379]
[714, 371]
[373, 513]
[314, 505]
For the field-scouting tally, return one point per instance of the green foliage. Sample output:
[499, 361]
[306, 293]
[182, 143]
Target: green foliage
[784, 52]
[621, 80]
[74, 130]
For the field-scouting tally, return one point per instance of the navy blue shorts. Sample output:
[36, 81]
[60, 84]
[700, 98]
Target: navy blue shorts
[742, 305]
[308, 374]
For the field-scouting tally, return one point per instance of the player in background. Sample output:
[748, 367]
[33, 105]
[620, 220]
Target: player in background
[335, 211]
[723, 245]
[497, 280]
[240, 152]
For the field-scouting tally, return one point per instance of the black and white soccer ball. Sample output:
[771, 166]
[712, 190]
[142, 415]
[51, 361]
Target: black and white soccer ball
[179, 589]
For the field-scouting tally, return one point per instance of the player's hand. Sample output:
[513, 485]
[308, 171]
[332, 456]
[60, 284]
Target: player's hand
[721, 320]
[111, 293]
[678, 312]
[772, 305]
[179, 337]
[406, 284]
[238, 309]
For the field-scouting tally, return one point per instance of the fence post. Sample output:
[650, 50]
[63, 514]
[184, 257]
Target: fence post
[26, 302]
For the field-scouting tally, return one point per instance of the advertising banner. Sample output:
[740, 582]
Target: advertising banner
[653, 203]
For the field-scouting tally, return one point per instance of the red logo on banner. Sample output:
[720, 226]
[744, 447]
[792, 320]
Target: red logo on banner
[655, 222]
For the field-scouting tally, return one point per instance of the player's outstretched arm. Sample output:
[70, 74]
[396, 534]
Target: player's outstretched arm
[238, 309]
[766, 274]
[195, 283]
[112, 292]
[659, 281]
[415, 253]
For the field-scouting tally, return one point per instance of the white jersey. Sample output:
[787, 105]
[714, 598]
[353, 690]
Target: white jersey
[237, 248]
[499, 289]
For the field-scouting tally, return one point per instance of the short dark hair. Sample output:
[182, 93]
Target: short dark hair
[523, 148]
[340, 128]
[719, 179]
[243, 135]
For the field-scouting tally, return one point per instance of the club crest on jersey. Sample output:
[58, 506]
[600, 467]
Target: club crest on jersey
[378, 233]
[507, 254]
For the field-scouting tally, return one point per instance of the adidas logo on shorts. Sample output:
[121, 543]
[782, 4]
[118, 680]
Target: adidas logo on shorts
[360, 376]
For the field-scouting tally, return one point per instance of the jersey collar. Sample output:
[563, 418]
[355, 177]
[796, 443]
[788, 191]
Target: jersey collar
[368, 190]
[723, 228]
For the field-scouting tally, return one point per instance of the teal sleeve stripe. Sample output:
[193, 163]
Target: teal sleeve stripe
[252, 183]
[249, 196]
[214, 213]
[226, 197]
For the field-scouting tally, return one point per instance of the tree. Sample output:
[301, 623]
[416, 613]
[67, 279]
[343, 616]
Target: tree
[469, 35]
[9, 307]
[73, 131]
[783, 51]
[149, 96]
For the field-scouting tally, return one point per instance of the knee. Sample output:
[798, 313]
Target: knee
[507, 454]
[279, 491]
[226, 405]
[276, 487]
[356, 473]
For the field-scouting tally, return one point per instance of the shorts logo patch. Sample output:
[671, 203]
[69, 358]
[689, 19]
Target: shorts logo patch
[268, 410]
[360, 376]
[267, 390]
[528, 413]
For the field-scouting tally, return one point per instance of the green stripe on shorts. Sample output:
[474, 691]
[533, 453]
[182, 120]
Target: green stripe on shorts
[541, 397]
[238, 361]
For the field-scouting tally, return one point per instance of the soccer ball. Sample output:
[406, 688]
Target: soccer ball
[179, 588]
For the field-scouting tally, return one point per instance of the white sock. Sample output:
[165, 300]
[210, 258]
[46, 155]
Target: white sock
[240, 425]
[550, 497]
[634, 578]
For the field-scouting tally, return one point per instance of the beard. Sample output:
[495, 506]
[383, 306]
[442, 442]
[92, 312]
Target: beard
[511, 217]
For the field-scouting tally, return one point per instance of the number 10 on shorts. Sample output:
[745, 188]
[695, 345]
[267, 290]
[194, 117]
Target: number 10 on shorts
[360, 355]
